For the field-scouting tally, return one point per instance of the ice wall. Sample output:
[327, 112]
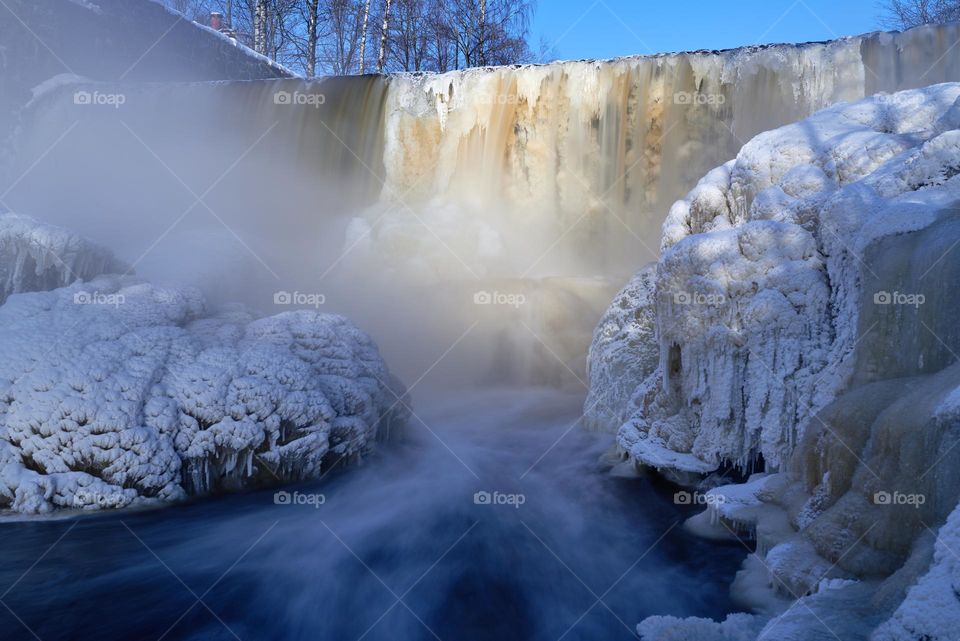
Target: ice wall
[765, 294]
[37, 257]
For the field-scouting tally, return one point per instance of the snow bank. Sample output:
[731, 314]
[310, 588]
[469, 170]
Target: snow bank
[736, 627]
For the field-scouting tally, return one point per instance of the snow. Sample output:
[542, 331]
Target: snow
[736, 627]
[756, 289]
[233, 42]
[52, 85]
[761, 296]
[116, 392]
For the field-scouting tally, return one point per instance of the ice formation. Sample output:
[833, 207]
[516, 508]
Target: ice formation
[803, 328]
[623, 352]
[930, 611]
[117, 392]
[758, 288]
[576, 162]
[470, 178]
[36, 257]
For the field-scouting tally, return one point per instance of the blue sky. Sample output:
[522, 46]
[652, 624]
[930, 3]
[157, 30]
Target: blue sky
[608, 28]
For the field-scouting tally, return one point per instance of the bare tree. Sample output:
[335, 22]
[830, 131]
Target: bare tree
[340, 46]
[489, 32]
[302, 37]
[363, 37]
[382, 58]
[410, 35]
[441, 45]
[903, 14]
[260, 18]
[312, 8]
[334, 36]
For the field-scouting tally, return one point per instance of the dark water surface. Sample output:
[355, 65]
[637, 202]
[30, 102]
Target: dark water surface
[400, 549]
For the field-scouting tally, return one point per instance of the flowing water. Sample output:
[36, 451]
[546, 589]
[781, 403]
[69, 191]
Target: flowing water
[400, 549]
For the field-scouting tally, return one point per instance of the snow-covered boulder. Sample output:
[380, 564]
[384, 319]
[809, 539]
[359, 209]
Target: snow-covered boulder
[116, 392]
[761, 282]
[806, 326]
[35, 256]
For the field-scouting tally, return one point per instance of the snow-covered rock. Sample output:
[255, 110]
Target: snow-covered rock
[805, 327]
[759, 286]
[116, 392]
[736, 627]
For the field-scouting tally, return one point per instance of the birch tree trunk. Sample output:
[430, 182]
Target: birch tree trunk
[363, 37]
[382, 58]
[260, 28]
[313, 19]
[481, 35]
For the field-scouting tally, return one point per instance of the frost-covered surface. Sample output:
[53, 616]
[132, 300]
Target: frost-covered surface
[117, 392]
[35, 256]
[758, 287]
[782, 341]
[224, 39]
[623, 352]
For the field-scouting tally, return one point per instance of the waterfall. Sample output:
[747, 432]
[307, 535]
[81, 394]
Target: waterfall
[544, 170]
[433, 189]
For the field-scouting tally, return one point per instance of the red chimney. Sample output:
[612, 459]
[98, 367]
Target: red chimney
[216, 20]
